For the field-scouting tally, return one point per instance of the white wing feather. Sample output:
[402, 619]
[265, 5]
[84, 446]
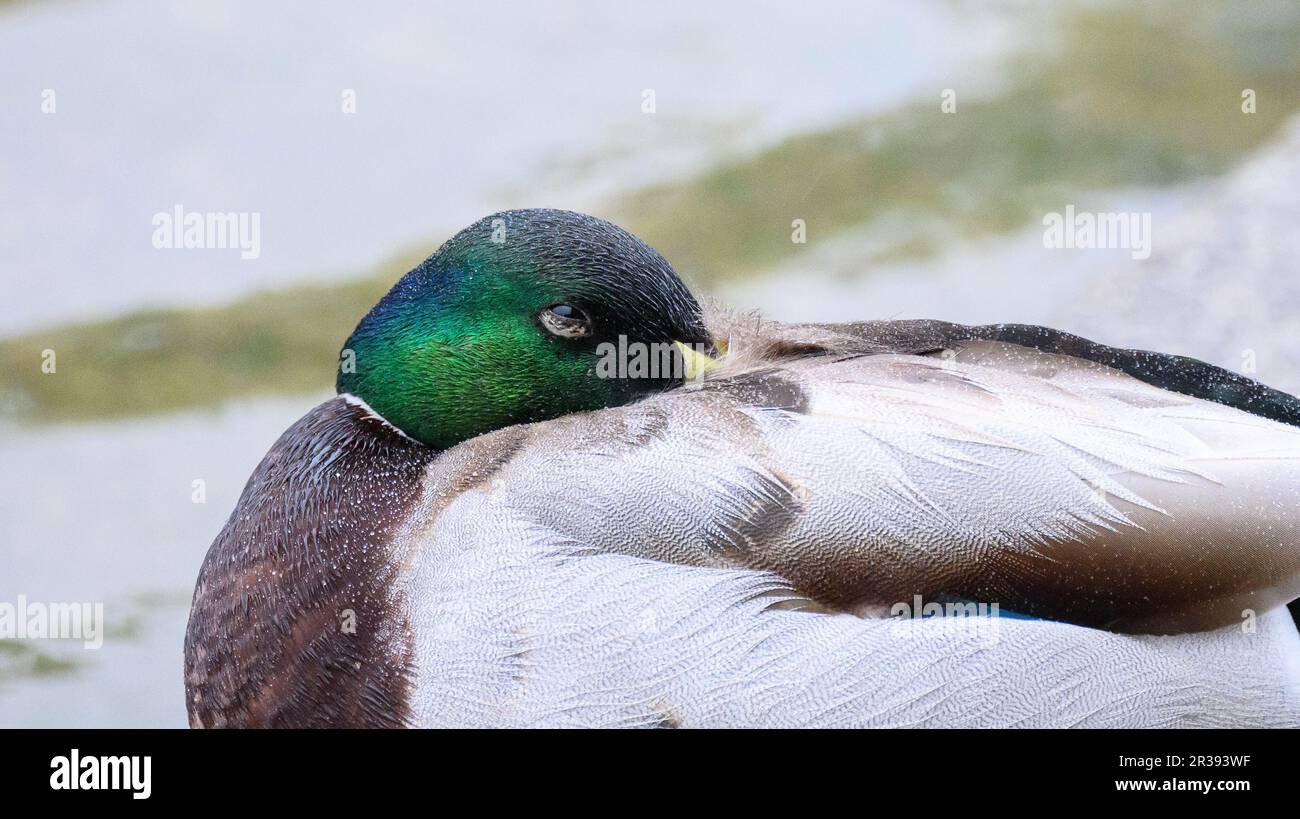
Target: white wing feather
[621, 567]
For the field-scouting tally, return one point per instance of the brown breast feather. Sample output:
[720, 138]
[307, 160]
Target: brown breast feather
[310, 541]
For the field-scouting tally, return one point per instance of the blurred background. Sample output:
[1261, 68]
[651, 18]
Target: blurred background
[362, 135]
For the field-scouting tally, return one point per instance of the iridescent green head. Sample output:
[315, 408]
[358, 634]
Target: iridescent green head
[514, 320]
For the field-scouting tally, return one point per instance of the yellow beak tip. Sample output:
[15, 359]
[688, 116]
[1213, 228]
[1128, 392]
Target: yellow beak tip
[696, 364]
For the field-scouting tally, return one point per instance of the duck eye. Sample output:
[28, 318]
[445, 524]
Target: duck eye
[566, 321]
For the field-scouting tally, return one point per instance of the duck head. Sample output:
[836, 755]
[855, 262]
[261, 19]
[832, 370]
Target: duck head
[513, 320]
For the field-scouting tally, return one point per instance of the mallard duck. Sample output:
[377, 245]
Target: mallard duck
[500, 521]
